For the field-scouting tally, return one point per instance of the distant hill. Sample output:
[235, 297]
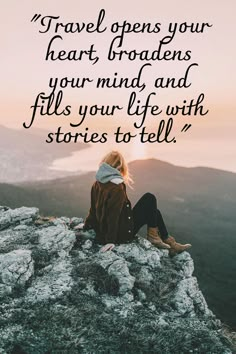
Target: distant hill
[24, 156]
[198, 204]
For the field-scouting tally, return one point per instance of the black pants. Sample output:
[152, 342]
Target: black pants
[145, 212]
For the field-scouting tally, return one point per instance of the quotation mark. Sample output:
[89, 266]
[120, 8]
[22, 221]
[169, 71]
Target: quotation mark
[186, 127]
[35, 18]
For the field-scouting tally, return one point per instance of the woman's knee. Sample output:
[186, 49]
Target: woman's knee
[150, 200]
[149, 196]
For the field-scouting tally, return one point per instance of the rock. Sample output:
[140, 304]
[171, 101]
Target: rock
[119, 304]
[18, 237]
[61, 294]
[56, 238]
[17, 216]
[144, 276]
[53, 284]
[16, 267]
[141, 295]
[105, 259]
[4, 208]
[182, 301]
[138, 254]
[87, 245]
[120, 271]
[143, 242]
[184, 263]
[162, 322]
[20, 227]
[75, 221]
[116, 267]
[189, 299]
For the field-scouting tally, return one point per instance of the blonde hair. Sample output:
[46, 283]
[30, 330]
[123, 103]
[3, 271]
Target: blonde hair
[115, 159]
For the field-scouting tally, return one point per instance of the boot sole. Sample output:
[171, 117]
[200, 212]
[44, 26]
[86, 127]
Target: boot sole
[173, 253]
[159, 245]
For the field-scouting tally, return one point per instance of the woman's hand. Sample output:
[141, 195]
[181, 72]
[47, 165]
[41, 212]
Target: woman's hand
[79, 226]
[107, 247]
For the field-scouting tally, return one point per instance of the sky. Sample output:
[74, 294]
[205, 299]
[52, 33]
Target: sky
[25, 72]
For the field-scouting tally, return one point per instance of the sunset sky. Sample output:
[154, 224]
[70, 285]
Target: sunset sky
[24, 72]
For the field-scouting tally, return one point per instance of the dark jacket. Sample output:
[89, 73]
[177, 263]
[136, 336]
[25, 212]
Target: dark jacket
[110, 214]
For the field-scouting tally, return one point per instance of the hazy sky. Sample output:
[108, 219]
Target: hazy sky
[25, 73]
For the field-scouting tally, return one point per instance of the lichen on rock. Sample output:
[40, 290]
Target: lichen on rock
[16, 268]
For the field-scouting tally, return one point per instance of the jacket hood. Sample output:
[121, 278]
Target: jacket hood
[106, 173]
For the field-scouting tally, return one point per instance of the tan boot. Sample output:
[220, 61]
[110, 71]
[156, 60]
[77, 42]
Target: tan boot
[155, 239]
[175, 246]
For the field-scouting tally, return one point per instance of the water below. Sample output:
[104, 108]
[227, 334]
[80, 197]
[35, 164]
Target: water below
[186, 153]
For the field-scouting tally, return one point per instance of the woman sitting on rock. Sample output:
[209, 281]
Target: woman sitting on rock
[111, 214]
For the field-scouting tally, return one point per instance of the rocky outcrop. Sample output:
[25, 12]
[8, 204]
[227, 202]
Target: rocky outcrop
[60, 294]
